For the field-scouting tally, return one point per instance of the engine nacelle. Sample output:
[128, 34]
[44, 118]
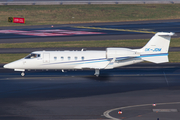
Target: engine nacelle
[120, 52]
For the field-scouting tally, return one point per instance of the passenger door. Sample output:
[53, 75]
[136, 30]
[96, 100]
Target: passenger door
[46, 57]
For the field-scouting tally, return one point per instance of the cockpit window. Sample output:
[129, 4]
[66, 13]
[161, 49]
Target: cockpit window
[31, 56]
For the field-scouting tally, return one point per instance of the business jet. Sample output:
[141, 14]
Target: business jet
[156, 51]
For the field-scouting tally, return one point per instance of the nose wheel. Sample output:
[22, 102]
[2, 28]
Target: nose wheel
[22, 74]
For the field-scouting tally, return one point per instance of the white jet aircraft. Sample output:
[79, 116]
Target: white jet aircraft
[156, 51]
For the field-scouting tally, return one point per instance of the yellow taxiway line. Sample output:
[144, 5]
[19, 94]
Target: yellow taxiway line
[126, 30]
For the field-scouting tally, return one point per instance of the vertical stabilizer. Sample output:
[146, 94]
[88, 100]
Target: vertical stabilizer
[156, 50]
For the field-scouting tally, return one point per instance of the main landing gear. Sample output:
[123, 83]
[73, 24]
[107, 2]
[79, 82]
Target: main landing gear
[96, 72]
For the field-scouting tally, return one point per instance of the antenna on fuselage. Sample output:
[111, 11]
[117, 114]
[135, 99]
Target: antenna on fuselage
[83, 49]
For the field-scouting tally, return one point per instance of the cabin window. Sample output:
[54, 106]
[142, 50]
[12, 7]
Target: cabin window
[62, 58]
[82, 58]
[75, 58]
[32, 55]
[69, 58]
[55, 58]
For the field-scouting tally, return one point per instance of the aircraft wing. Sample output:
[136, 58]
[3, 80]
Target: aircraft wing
[94, 64]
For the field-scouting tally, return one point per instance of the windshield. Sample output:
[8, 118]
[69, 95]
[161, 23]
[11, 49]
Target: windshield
[32, 55]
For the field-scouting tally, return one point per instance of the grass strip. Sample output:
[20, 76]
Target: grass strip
[174, 57]
[93, 43]
[175, 42]
[65, 14]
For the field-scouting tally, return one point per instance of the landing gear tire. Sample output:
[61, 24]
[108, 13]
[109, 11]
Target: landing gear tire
[22, 74]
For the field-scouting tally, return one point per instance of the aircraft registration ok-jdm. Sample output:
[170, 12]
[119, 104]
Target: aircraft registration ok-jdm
[156, 51]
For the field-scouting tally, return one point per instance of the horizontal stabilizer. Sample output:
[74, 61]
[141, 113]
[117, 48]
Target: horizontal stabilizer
[157, 59]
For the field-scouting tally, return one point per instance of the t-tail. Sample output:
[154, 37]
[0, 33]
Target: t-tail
[156, 50]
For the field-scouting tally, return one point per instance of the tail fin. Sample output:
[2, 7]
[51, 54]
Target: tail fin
[156, 50]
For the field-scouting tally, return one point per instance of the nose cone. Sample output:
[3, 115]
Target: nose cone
[14, 65]
[5, 66]
[9, 65]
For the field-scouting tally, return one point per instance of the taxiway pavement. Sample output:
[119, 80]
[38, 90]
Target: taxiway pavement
[111, 31]
[88, 31]
[79, 95]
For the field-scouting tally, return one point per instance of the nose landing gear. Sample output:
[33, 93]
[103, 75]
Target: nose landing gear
[22, 74]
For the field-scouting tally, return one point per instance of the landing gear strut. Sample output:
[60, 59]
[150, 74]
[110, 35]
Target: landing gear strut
[22, 74]
[96, 72]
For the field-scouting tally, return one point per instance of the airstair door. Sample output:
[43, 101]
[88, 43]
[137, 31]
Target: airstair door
[46, 57]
